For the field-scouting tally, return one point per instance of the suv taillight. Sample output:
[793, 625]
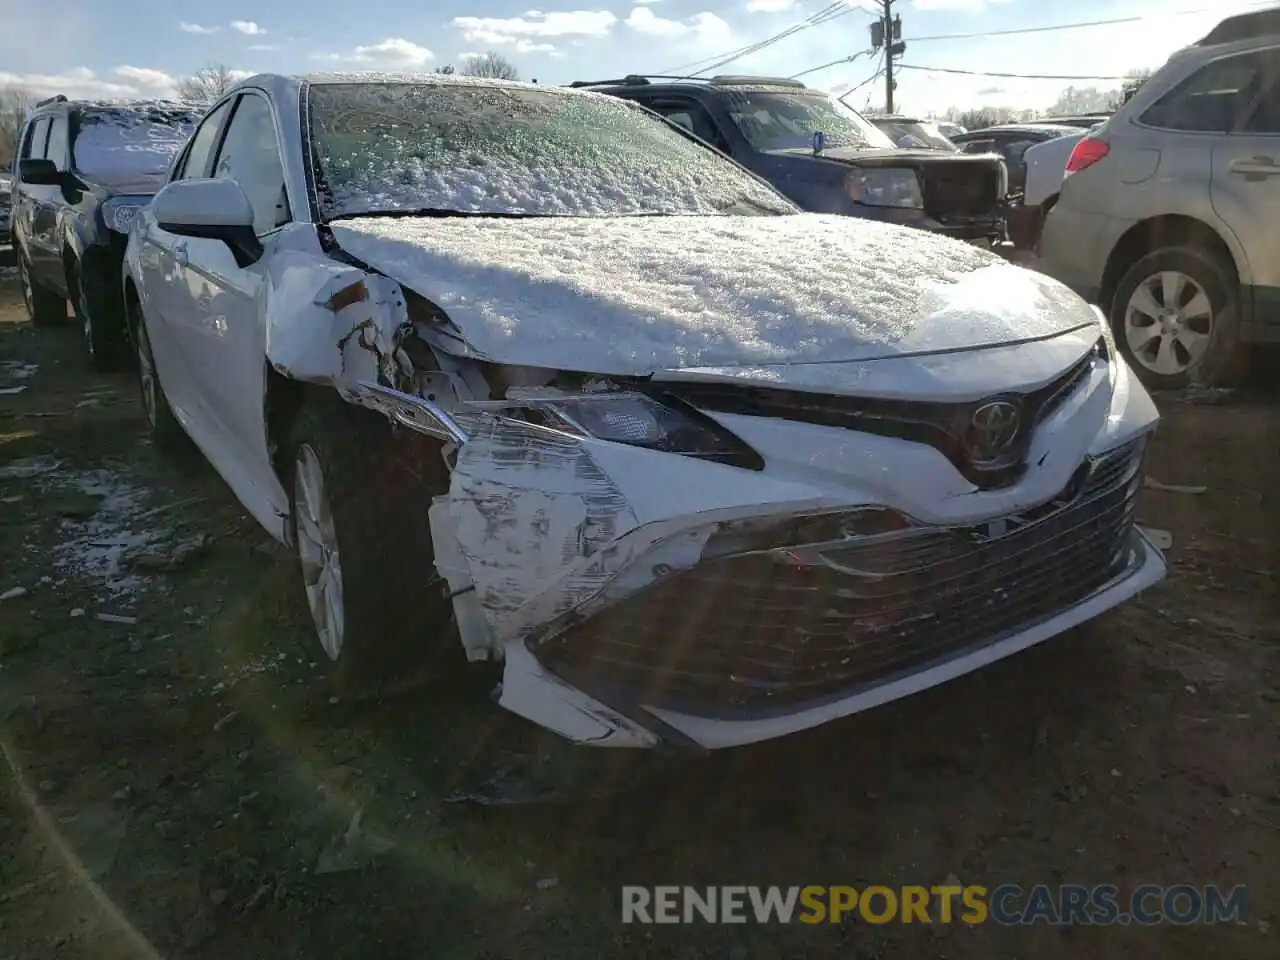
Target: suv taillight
[1086, 153]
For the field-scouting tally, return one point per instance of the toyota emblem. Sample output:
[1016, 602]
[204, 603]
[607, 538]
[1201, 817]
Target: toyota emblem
[992, 429]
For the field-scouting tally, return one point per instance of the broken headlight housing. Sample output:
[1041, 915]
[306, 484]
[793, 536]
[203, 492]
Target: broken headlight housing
[885, 187]
[639, 420]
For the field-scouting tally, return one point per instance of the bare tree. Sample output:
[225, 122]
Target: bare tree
[15, 104]
[490, 64]
[207, 83]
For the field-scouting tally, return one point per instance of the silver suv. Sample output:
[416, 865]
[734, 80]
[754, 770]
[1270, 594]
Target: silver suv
[1169, 217]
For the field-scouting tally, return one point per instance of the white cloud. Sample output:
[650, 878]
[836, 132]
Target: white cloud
[518, 32]
[704, 25]
[394, 52]
[772, 6]
[121, 83]
[247, 27]
[197, 28]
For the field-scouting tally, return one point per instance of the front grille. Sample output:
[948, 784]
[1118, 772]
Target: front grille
[753, 631]
[943, 426]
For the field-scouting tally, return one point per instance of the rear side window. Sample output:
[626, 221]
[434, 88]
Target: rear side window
[37, 134]
[199, 158]
[1214, 99]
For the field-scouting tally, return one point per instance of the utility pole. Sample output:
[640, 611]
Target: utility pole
[887, 32]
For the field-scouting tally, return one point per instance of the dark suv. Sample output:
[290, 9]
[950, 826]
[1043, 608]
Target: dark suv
[826, 157]
[82, 171]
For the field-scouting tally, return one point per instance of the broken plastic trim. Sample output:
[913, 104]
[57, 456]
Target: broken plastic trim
[416, 413]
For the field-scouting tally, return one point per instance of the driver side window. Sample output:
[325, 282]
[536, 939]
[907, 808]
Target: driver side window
[195, 164]
[250, 155]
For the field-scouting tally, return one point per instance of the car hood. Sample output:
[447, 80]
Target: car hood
[638, 295]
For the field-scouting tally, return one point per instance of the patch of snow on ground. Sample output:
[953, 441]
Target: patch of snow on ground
[28, 467]
[16, 369]
[630, 295]
[95, 547]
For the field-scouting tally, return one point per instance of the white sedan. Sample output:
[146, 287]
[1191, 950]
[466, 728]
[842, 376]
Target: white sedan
[529, 375]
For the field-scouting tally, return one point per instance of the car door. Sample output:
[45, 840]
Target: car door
[223, 339]
[30, 200]
[46, 231]
[1246, 184]
[162, 281]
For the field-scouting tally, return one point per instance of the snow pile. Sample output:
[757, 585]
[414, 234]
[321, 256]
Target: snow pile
[492, 148]
[131, 146]
[635, 295]
[95, 546]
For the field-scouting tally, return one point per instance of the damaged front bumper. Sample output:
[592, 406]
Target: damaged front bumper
[750, 644]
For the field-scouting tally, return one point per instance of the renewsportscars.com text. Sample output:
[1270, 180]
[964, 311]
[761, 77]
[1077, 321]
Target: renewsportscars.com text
[1008, 904]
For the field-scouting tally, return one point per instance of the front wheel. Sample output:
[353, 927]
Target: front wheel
[44, 307]
[166, 433]
[1175, 319]
[104, 339]
[359, 496]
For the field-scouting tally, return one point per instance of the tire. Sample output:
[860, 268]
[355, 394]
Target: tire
[1198, 346]
[104, 337]
[391, 604]
[167, 435]
[44, 307]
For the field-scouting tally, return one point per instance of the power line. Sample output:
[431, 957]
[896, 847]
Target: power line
[1011, 76]
[833, 11]
[860, 53]
[871, 79]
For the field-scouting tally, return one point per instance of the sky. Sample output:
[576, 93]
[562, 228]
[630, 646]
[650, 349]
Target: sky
[137, 48]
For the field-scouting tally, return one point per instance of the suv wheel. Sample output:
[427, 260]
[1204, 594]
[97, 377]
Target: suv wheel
[1174, 314]
[104, 341]
[44, 307]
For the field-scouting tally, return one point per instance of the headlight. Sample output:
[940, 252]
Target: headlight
[638, 420]
[885, 187]
[118, 212]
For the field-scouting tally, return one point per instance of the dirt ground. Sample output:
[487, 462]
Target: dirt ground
[176, 783]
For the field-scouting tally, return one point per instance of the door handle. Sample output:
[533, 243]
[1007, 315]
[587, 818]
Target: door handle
[180, 254]
[1255, 167]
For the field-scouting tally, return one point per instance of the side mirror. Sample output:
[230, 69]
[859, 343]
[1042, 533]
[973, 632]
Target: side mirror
[209, 209]
[39, 172]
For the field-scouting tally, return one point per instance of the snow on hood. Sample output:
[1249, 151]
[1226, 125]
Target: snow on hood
[634, 295]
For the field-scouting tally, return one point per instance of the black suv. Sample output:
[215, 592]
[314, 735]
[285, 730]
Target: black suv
[825, 156]
[83, 169]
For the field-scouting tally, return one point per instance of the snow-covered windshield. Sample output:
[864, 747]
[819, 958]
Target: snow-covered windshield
[775, 120]
[131, 146]
[497, 148]
[914, 134]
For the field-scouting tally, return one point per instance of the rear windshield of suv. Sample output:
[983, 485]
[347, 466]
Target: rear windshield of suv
[131, 146]
[497, 148]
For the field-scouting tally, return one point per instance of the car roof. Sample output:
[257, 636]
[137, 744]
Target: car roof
[282, 85]
[1054, 128]
[53, 104]
[635, 83]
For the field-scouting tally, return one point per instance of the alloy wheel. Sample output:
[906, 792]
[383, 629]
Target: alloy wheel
[318, 550]
[1168, 322]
